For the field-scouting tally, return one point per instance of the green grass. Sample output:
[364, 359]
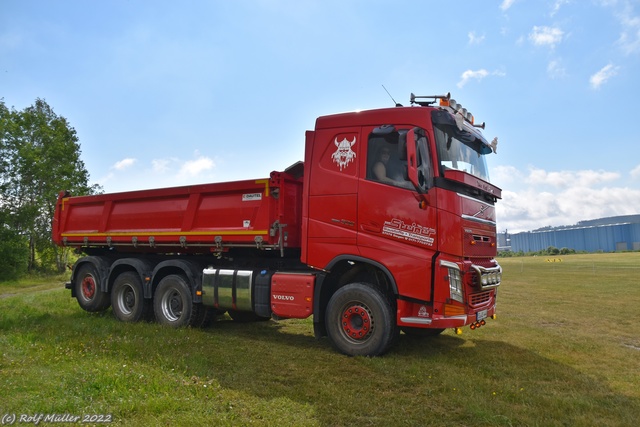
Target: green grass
[565, 350]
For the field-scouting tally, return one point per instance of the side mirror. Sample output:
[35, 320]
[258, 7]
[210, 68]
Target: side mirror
[412, 161]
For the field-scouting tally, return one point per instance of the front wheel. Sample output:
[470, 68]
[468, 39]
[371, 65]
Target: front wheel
[173, 303]
[360, 320]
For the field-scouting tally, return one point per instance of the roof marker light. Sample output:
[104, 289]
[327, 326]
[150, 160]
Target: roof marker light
[453, 106]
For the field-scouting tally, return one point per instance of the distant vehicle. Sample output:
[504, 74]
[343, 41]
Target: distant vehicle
[367, 257]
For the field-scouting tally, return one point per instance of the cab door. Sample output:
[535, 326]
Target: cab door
[397, 215]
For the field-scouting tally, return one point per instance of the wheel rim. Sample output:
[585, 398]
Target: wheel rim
[126, 299]
[172, 305]
[356, 322]
[88, 287]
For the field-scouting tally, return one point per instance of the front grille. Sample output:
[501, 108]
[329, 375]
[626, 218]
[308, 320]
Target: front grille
[480, 299]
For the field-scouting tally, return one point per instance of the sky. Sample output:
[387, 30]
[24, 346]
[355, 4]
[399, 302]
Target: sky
[166, 93]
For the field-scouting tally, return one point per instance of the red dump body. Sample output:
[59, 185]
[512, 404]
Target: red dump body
[264, 213]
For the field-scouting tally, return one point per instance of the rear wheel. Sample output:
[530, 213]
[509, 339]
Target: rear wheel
[127, 298]
[173, 303]
[87, 289]
[360, 320]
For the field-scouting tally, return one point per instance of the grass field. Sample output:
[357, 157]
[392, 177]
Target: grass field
[564, 351]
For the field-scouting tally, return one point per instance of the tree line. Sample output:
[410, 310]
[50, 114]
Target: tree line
[39, 157]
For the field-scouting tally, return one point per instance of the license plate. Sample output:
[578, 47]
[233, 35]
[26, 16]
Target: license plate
[481, 315]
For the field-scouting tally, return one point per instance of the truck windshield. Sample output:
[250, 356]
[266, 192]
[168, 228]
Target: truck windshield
[461, 150]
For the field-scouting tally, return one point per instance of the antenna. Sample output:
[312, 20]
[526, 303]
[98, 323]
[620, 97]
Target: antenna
[394, 101]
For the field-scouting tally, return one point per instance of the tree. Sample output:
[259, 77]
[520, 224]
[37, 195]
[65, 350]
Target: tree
[41, 156]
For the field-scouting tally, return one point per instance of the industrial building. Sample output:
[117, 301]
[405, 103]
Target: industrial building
[614, 234]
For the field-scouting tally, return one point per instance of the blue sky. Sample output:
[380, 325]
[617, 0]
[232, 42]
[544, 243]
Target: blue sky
[165, 93]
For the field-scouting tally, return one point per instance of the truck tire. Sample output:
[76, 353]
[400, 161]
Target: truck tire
[360, 320]
[173, 303]
[127, 298]
[87, 289]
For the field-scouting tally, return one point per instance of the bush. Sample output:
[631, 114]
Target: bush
[14, 254]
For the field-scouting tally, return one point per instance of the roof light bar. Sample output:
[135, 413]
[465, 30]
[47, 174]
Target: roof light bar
[458, 108]
[447, 101]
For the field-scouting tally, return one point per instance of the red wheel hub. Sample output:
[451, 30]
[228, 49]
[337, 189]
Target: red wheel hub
[88, 287]
[356, 322]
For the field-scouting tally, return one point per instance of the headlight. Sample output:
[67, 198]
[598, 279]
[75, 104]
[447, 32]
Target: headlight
[454, 276]
[455, 284]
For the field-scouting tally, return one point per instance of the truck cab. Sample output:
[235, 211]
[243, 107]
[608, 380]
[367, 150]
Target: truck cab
[400, 198]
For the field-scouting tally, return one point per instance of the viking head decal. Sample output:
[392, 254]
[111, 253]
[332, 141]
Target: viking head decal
[344, 154]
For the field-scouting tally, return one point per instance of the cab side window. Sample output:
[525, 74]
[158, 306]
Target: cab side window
[378, 154]
[385, 162]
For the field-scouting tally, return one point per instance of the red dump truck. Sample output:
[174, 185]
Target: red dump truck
[387, 226]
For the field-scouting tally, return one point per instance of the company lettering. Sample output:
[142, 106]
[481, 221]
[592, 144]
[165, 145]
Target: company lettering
[283, 297]
[410, 232]
[251, 196]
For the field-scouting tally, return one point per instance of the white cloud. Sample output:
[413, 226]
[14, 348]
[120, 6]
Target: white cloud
[556, 70]
[530, 210]
[629, 21]
[630, 37]
[124, 164]
[506, 4]
[557, 5]
[160, 165]
[478, 75]
[105, 179]
[542, 198]
[602, 76]
[546, 36]
[159, 173]
[502, 176]
[570, 178]
[635, 173]
[475, 39]
[470, 74]
[193, 168]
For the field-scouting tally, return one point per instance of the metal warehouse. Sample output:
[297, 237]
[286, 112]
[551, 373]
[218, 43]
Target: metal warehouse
[606, 235]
